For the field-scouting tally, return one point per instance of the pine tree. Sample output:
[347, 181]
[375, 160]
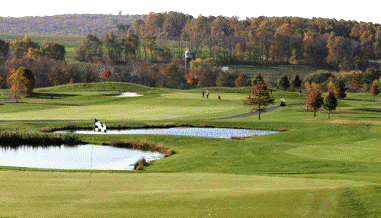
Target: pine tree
[284, 83]
[330, 102]
[296, 82]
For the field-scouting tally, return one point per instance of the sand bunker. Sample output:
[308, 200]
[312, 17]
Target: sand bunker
[128, 94]
[352, 121]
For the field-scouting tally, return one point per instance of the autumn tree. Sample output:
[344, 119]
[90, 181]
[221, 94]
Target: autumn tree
[374, 90]
[172, 78]
[284, 83]
[330, 102]
[90, 50]
[370, 75]
[53, 50]
[260, 97]
[113, 47]
[314, 100]
[131, 44]
[337, 86]
[4, 49]
[227, 79]
[151, 44]
[21, 82]
[242, 80]
[310, 88]
[60, 74]
[356, 82]
[21, 48]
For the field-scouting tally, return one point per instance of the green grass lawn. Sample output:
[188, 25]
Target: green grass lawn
[320, 167]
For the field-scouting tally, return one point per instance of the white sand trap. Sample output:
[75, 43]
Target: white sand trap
[128, 94]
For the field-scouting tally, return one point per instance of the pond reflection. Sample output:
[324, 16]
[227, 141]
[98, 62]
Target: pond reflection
[81, 157]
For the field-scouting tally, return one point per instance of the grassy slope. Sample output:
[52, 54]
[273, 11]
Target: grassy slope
[313, 149]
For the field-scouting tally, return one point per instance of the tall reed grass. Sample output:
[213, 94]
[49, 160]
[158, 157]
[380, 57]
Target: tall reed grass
[143, 145]
[22, 138]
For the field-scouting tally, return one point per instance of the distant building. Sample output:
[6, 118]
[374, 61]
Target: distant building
[189, 56]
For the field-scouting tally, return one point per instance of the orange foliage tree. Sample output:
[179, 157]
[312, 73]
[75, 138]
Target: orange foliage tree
[260, 96]
[21, 82]
[314, 100]
[374, 90]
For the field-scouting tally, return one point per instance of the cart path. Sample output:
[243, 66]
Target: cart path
[36, 121]
[269, 109]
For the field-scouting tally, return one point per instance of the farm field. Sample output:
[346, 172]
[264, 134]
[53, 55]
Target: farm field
[319, 167]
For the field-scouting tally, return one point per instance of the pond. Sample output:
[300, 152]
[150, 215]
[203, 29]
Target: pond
[183, 131]
[81, 157]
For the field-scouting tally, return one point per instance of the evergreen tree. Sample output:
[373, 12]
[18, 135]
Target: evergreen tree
[284, 83]
[296, 82]
[257, 78]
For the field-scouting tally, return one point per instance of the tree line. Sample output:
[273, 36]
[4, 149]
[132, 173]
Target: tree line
[339, 45]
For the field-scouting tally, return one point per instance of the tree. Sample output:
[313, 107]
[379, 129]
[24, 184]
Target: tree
[60, 74]
[4, 49]
[21, 82]
[356, 82]
[330, 102]
[257, 78]
[338, 87]
[284, 83]
[112, 46]
[22, 47]
[131, 44]
[296, 82]
[314, 100]
[242, 80]
[90, 50]
[260, 96]
[171, 75]
[370, 75]
[374, 90]
[151, 44]
[53, 50]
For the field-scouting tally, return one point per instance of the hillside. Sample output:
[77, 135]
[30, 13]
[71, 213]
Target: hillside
[78, 25]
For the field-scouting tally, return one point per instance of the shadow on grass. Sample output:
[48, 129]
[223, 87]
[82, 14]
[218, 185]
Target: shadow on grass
[352, 99]
[51, 95]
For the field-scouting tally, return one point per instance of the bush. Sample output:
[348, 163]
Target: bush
[319, 77]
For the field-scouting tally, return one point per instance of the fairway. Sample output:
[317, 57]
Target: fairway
[137, 108]
[54, 194]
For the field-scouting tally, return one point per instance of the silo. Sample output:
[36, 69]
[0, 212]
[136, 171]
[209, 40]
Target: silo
[189, 56]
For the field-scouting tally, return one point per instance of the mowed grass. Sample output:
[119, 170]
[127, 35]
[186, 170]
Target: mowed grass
[320, 167]
[52, 194]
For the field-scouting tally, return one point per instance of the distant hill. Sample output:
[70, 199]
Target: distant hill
[78, 25]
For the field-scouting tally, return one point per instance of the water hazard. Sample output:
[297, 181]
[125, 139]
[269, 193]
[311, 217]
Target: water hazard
[81, 157]
[182, 131]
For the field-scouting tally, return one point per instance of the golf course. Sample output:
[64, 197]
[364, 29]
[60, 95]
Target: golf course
[313, 167]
